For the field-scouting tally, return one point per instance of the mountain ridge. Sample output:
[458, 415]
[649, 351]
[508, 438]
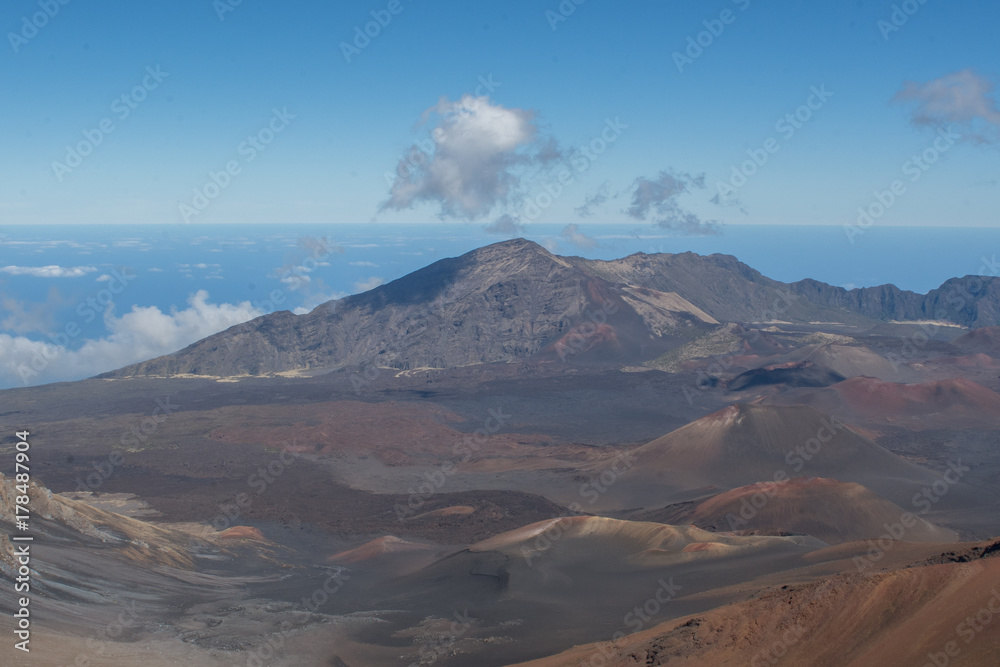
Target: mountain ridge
[515, 300]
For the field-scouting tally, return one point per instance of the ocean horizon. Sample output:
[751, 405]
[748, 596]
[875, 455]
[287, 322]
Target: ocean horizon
[151, 289]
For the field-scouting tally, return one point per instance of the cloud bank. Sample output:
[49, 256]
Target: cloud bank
[656, 200]
[574, 236]
[961, 98]
[142, 333]
[505, 225]
[51, 271]
[473, 161]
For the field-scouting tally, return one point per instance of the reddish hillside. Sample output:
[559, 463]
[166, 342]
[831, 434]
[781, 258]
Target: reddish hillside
[243, 533]
[986, 340]
[846, 360]
[832, 511]
[383, 546]
[974, 360]
[953, 403]
[901, 617]
[745, 444]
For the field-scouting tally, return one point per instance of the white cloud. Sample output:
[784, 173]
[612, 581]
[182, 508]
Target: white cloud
[961, 98]
[103, 278]
[369, 284]
[155, 270]
[593, 201]
[51, 271]
[25, 317]
[658, 198]
[573, 234]
[505, 225]
[316, 300]
[369, 264]
[473, 161]
[140, 334]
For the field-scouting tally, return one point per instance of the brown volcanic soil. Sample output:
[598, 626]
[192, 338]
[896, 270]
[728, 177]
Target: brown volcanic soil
[394, 433]
[243, 533]
[746, 444]
[554, 583]
[977, 360]
[953, 403]
[893, 618]
[832, 511]
[985, 339]
[382, 546]
[848, 361]
[792, 374]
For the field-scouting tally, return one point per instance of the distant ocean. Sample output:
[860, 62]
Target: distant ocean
[306, 264]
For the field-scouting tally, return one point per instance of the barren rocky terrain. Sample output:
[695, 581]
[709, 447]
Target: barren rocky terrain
[401, 478]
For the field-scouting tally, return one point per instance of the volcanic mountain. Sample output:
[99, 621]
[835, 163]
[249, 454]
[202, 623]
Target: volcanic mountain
[568, 580]
[614, 544]
[907, 616]
[832, 511]
[738, 345]
[985, 340]
[845, 360]
[745, 444]
[504, 302]
[515, 300]
[793, 374]
[953, 403]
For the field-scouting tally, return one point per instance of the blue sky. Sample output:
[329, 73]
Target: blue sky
[353, 121]
[599, 128]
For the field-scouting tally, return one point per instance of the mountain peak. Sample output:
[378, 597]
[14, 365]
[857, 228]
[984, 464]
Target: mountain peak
[510, 249]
